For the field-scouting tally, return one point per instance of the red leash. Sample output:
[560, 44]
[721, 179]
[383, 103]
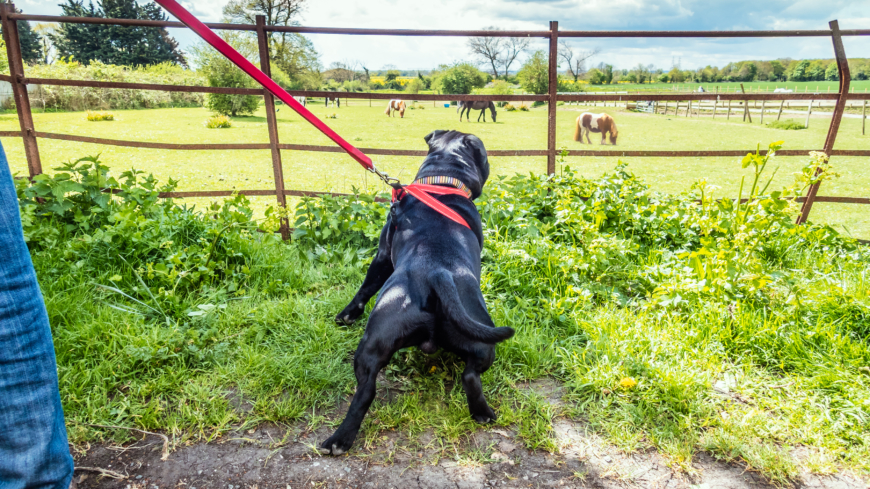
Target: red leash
[420, 191]
[210, 37]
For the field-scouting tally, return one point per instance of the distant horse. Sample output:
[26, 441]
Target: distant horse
[480, 105]
[396, 106]
[336, 102]
[589, 122]
[301, 100]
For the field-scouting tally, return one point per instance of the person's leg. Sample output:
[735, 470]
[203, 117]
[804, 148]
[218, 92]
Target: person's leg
[33, 443]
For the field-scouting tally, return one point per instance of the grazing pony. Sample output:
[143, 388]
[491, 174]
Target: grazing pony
[481, 105]
[589, 122]
[396, 106]
[336, 102]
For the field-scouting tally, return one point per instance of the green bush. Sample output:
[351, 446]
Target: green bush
[460, 79]
[218, 122]
[61, 98]
[221, 72]
[788, 125]
[533, 76]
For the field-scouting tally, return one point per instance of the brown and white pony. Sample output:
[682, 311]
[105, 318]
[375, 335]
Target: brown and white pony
[335, 101]
[589, 122]
[396, 106]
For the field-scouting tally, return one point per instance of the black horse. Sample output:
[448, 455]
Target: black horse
[481, 105]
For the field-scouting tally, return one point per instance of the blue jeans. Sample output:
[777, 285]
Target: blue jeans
[33, 444]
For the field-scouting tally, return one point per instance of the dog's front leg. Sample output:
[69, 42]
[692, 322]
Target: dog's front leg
[377, 275]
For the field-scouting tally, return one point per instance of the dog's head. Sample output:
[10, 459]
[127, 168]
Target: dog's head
[458, 155]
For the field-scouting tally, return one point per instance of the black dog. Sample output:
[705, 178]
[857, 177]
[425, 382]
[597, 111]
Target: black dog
[428, 268]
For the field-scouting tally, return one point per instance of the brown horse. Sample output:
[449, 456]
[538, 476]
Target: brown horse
[589, 122]
[396, 106]
[481, 105]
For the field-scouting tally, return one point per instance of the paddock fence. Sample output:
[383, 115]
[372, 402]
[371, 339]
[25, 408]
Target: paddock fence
[30, 135]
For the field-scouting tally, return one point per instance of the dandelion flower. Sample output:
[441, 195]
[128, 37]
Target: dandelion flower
[627, 383]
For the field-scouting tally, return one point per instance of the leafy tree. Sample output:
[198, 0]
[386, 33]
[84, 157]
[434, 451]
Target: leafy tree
[800, 71]
[293, 53]
[608, 74]
[460, 79]
[596, 77]
[113, 44]
[832, 73]
[221, 72]
[747, 71]
[392, 75]
[534, 75]
[30, 42]
[777, 70]
[816, 71]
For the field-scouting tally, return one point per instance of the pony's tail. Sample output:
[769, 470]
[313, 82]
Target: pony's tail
[389, 105]
[613, 132]
[577, 129]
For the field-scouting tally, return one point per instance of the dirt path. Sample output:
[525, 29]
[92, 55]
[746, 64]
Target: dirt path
[256, 459]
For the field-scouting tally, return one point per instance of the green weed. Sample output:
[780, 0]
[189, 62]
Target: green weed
[682, 323]
[787, 125]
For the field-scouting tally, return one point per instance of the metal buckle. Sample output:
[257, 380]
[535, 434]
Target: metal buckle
[392, 182]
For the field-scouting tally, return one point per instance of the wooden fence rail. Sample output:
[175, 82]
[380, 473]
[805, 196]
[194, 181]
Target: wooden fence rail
[30, 135]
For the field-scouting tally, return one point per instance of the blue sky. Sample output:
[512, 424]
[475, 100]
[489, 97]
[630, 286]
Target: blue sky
[423, 53]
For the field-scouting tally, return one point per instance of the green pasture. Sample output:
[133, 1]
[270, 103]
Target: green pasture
[368, 127]
[856, 86]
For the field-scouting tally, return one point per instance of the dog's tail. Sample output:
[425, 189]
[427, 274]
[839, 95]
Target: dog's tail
[451, 304]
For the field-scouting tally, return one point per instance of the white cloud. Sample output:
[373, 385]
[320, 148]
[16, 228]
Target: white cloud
[427, 52]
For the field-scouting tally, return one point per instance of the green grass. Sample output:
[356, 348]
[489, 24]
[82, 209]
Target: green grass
[598, 291]
[861, 86]
[368, 127]
[787, 125]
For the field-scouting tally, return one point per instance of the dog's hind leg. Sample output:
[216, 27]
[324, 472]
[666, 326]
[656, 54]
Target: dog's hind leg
[393, 325]
[379, 271]
[477, 363]
[368, 361]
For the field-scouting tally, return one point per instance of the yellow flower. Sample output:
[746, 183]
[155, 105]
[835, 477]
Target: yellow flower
[627, 383]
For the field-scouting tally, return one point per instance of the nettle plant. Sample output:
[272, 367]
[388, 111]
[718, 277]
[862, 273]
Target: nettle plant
[154, 248]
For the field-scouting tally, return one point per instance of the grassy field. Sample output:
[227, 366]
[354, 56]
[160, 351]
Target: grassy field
[367, 126]
[810, 86]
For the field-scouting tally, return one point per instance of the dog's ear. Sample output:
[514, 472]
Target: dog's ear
[432, 135]
[478, 151]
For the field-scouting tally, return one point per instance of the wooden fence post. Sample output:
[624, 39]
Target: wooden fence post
[272, 122]
[779, 114]
[19, 89]
[688, 108]
[745, 106]
[845, 81]
[553, 89]
[809, 111]
[863, 116]
[715, 103]
[728, 117]
[763, 105]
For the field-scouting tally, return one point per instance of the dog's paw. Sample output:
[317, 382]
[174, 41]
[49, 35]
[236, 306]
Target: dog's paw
[350, 314]
[334, 446]
[344, 319]
[484, 418]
